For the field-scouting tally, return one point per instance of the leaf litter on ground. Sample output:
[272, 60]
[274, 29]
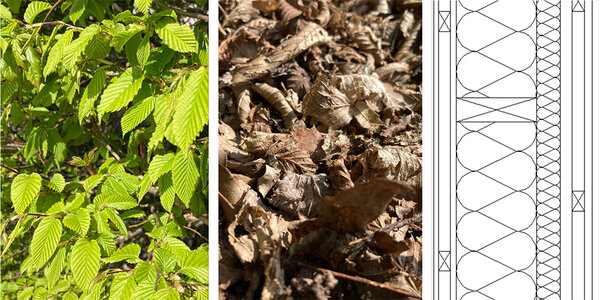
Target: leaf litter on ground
[320, 149]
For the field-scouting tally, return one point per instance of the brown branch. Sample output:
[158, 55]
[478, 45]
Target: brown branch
[10, 169]
[363, 280]
[196, 232]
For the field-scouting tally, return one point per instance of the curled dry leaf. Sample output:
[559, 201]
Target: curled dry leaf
[243, 12]
[267, 180]
[351, 210]
[297, 194]
[266, 6]
[278, 100]
[311, 35]
[391, 162]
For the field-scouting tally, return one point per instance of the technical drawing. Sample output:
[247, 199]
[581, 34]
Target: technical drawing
[498, 109]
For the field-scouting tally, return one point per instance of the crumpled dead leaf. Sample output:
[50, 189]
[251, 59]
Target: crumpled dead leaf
[282, 148]
[298, 194]
[391, 162]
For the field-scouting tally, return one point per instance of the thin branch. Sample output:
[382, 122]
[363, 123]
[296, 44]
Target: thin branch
[363, 280]
[196, 232]
[10, 169]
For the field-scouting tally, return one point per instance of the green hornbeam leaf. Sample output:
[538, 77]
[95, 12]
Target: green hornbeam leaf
[185, 175]
[120, 38]
[92, 181]
[44, 241]
[85, 262]
[136, 114]
[55, 267]
[164, 260]
[177, 248]
[191, 111]
[120, 202]
[129, 252]
[5, 13]
[144, 270]
[120, 91]
[57, 183]
[160, 165]
[143, 50]
[79, 222]
[23, 189]
[166, 191]
[122, 287]
[178, 37]
[77, 46]
[91, 93]
[77, 9]
[196, 265]
[116, 219]
[145, 289]
[106, 243]
[143, 5]
[35, 8]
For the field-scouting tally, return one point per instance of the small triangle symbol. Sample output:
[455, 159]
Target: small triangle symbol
[578, 7]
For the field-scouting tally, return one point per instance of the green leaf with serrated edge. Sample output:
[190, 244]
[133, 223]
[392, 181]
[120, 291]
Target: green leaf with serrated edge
[114, 217]
[91, 93]
[178, 37]
[57, 183]
[166, 191]
[144, 187]
[77, 201]
[92, 181]
[107, 244]
[177, 248]
[164, 260]
[136, 114]
[160, 165]
[122, 287]
[98, 47]
[143, 50]
[77, 9]
[120, 202]
[131, 251]
[195, 265]
[5, 13]
[77, 46]
[79, 222]
[144, 270]
[55, 267]
[44, 241]
[85, 262]
[23, 189]
[144, 289]
[143, 5]
[191, 111]
[120, 38]
[35, 8]
[120, 91]
[185, 175]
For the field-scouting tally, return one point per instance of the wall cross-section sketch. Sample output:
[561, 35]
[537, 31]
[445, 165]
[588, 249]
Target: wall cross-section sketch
[498, 109]
[497, 127]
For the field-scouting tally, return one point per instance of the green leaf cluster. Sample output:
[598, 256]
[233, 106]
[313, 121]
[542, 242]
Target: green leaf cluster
[104, 150]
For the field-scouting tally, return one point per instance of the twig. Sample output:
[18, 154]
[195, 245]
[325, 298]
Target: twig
[10, 169]
[196, 232]
[182, 12]
[363, 280]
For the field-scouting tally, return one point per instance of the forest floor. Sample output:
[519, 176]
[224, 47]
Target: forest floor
[320, 149]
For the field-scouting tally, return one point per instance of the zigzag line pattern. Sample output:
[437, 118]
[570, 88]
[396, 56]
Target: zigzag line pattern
[496, 149]
[548, 149]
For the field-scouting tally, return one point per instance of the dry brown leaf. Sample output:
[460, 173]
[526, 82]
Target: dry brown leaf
[298, 194]
[281, 147]
[267, 180]
[288, 11]
[338, 175]
[266, 6]
[351, 210]
[278, 100]
[311, 35]
[391, 162]
[243, 12]
[327, 104]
